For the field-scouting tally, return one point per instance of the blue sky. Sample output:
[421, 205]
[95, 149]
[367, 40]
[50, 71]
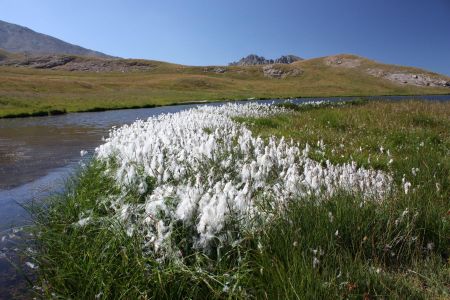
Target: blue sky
[215, 32]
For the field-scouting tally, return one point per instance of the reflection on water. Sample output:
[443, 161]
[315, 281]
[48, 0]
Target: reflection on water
[27, 153]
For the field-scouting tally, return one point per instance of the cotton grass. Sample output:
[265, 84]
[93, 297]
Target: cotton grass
[201, 169]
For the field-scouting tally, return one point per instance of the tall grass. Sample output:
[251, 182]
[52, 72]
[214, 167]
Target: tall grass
[395, 249]
[342, 247]
[100, 260]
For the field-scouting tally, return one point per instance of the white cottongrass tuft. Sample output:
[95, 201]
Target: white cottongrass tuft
[209, 170]
[30, 265]
[406, 185]
[83, 222]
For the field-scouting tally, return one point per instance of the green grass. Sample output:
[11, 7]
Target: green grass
[28, 91]
[415, 133]
[360, 253]
[101, 259]
[343, 248]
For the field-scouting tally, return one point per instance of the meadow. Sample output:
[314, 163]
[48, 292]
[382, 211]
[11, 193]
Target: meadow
[323, 200]
[36, 92]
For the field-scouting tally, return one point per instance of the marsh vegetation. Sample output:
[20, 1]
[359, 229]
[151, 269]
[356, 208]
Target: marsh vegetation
[343, 200]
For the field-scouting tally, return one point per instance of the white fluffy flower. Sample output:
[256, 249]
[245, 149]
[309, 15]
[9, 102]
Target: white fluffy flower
[209, 169]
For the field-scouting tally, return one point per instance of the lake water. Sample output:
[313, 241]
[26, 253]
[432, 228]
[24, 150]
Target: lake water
[38, 154]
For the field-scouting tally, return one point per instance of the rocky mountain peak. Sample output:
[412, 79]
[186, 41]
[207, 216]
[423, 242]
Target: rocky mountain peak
[254, 59]
[287, 59]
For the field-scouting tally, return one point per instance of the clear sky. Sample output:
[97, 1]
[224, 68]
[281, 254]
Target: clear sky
[215, 32]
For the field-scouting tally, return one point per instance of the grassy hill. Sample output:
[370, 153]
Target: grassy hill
[72, 83]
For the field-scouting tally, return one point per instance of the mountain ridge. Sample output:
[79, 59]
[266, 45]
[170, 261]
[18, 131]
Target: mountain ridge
[253, 59]
[20, 39]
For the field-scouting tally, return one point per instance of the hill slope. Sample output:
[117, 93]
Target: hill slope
[19, 39]
[77, 83]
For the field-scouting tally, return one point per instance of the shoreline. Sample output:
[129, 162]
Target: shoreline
[56, 112]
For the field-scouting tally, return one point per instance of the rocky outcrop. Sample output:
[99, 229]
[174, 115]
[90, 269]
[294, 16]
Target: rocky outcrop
[45, 62]
[253, 59]
[217, 70]
[408, 78]
[287, 59]
[273, 71]
[396, 74]
[77, 63]
[343, 61]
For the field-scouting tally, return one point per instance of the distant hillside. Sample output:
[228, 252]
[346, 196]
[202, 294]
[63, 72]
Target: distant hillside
[74, 63]
[19, 39]
[253, 59]
[41, 84]
[252, 66]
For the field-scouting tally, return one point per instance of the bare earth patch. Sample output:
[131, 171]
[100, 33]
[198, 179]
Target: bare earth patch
[341, 61]
[274, 71]
[409, 78]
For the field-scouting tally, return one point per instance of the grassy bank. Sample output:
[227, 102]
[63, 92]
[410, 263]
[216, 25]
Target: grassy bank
[32, 91]
[345, 246]
[388, 250]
